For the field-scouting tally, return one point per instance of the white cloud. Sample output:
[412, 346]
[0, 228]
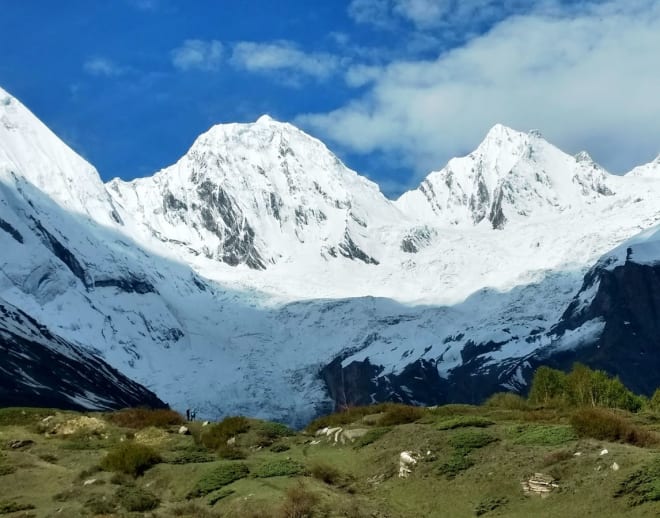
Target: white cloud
[284, 57]
[198, 55]
[588, 80]
[423, 12]
[99, 66]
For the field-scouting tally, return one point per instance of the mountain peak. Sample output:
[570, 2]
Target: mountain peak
[31, 152]
[265, 119]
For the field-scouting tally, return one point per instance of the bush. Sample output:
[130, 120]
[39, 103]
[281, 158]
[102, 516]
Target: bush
[192, 510]
[216, 436]
[457, 463]
[606, 425]
[299, 503]
[654, 402]
[401, 414]
[7, 507]
[139, 418]
[469, 440]
[130, 458]
[135, 499]
[326, 473]
[465, 422]
[556, 456]
[191, 457]
[273, 431]
[231, 453]
[490, 504]
[643, 485]
[280, 447]
[219, 477]
[278, 468]
[541, 435]
[352, 414]
[100, 504]
[370, 437]
[6, 469]
[507, 401]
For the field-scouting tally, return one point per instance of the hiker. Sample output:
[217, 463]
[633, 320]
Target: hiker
[187, 414]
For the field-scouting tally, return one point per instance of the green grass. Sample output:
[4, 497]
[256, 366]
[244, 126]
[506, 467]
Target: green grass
[473, 469]
[464, 422]
[278, 468]
[542, 435]
[371, 437]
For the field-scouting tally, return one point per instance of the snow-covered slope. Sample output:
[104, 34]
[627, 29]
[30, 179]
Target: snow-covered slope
[258, 275]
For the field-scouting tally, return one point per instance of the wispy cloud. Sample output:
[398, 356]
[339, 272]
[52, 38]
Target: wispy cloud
[198, 55]
[104, 67]
[586, 77]
[284, 57]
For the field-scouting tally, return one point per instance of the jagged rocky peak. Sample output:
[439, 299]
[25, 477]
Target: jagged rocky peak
[253, 193]
[511, 175]
[31, 153]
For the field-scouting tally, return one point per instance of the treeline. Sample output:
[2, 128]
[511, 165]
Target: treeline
[585, 387]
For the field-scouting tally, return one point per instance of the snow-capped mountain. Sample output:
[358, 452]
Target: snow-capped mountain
[259, 275]
[258, 194]
[510, 176]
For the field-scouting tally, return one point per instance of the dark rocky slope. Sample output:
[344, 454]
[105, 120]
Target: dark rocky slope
[38, 368]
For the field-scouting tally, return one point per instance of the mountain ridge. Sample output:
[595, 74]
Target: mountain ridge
[213, 296]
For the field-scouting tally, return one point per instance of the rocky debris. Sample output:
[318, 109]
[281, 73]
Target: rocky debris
[183, 430]
[615, 467]
[407, 460]
[151, 436]
[82, 424]
[90, 482]
[539, 484]
[18, 444]
[604, 452]
[341, 435]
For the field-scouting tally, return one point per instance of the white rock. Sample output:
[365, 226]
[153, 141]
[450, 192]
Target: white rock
[184, 430]
[604, 452]
[615, 467]
[89, 482]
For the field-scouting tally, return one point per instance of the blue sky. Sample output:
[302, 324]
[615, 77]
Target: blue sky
[395, 87]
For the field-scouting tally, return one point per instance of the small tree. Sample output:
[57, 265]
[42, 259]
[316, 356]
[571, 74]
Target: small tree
[548, 386]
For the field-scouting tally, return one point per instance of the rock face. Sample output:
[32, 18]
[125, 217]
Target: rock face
[627, 306]
[41, 369]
